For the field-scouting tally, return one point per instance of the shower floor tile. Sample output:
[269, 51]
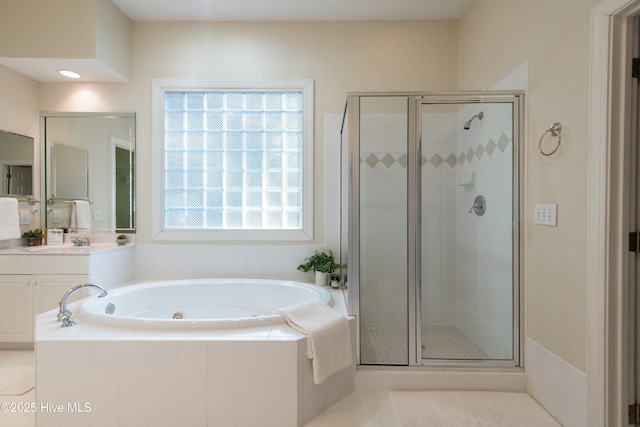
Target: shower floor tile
[383, 344]
[386, 344]
[449, 342]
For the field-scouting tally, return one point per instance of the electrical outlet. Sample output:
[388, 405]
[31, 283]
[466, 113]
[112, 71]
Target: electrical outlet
[97, 215]
[56, 217]
[24, 217]
[546, 215]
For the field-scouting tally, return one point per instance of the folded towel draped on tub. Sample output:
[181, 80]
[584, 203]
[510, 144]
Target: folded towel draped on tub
[328, 336]
[80, 216]
[9, 218]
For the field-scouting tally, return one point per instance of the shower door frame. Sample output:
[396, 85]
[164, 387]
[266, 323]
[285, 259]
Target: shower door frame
[516, 98]
[352, 117]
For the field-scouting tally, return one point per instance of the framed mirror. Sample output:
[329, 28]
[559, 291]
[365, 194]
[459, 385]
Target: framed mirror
[90, 158]
[16, 164]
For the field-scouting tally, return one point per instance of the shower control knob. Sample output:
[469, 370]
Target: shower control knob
[479, 205]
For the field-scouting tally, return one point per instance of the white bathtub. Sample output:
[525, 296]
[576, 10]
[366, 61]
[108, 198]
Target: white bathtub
[198, 304]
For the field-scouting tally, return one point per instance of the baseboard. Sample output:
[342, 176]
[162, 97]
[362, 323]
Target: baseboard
[16, 345]
[428, 380]
[557, 386]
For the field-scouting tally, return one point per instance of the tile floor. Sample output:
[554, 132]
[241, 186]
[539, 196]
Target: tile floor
[16, 403]
[385, 344]
[358, 409]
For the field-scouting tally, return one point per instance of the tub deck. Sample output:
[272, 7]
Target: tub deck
[181, 377]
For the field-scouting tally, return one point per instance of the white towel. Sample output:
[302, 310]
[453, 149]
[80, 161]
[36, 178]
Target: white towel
[80, 216]
[328, 336]
[9, 219]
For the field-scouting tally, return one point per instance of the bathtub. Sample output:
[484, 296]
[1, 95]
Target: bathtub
[228, 361]
[199, 304]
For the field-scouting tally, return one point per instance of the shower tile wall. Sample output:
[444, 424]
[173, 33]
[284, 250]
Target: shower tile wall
[438, 185]
[484, 244]
[383, 182]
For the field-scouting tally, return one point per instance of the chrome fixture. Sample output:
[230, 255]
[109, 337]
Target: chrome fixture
[479, 205]
[64, 315]
[467, 125]
[81, 241]
[555, 131]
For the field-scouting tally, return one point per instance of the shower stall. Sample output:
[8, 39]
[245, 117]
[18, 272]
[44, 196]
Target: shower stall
[431, 227]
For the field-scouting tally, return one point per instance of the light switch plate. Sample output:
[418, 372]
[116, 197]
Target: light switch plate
[56, 217]
[24, 217]
[546, 214]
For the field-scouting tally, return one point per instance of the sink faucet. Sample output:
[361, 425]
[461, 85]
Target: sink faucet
[81, 241]
[64, 315]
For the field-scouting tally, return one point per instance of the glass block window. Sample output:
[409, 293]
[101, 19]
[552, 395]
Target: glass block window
[235, 160]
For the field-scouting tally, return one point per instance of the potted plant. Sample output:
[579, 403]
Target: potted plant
[322, 264]
[34, 237]
[121, 239]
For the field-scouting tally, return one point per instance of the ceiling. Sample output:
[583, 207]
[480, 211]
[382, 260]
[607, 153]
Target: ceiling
[93, 70]
[288, 10]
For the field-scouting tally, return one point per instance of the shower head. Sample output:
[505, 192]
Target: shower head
[467, 124]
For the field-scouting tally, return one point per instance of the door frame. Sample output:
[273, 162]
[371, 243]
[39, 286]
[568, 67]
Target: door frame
[608, 213]
[516, 99]
[634, 221]
[351, 117]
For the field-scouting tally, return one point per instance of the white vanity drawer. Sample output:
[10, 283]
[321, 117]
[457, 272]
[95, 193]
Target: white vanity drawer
[44, 264]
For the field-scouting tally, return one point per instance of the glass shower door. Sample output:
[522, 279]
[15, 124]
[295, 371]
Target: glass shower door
[468, 230]
[383, 192]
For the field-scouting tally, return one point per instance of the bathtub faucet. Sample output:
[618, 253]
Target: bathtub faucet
[64, 315]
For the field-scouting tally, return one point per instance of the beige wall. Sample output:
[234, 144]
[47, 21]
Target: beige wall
[495, 37]
[19, 108]
[113, 37]
[339, 56]
[19, 113]
[492, 39]
[46, 29]
[75, 29]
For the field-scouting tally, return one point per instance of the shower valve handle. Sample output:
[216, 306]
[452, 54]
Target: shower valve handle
[479, 205]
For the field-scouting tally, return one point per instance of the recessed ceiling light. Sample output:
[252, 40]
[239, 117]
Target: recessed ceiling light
[70, 74]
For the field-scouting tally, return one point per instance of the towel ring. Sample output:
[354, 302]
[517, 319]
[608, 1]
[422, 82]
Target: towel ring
[554, 130]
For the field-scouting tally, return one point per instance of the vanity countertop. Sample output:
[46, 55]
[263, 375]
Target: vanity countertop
[65, 249]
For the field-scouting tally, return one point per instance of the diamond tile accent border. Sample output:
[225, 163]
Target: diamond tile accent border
[383, 161]
[437, 160]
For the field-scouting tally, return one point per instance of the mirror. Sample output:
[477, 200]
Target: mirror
[69, 172]
[16, 164]
[90, 157]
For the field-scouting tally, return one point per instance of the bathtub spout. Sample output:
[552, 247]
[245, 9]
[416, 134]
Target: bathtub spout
[64, 315]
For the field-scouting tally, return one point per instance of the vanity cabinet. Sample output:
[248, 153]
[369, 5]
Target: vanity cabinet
[31, 284]
[23, 296]
[16, 301]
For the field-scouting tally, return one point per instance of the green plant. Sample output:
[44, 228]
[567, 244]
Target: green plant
[320, 261]
[38, 232]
